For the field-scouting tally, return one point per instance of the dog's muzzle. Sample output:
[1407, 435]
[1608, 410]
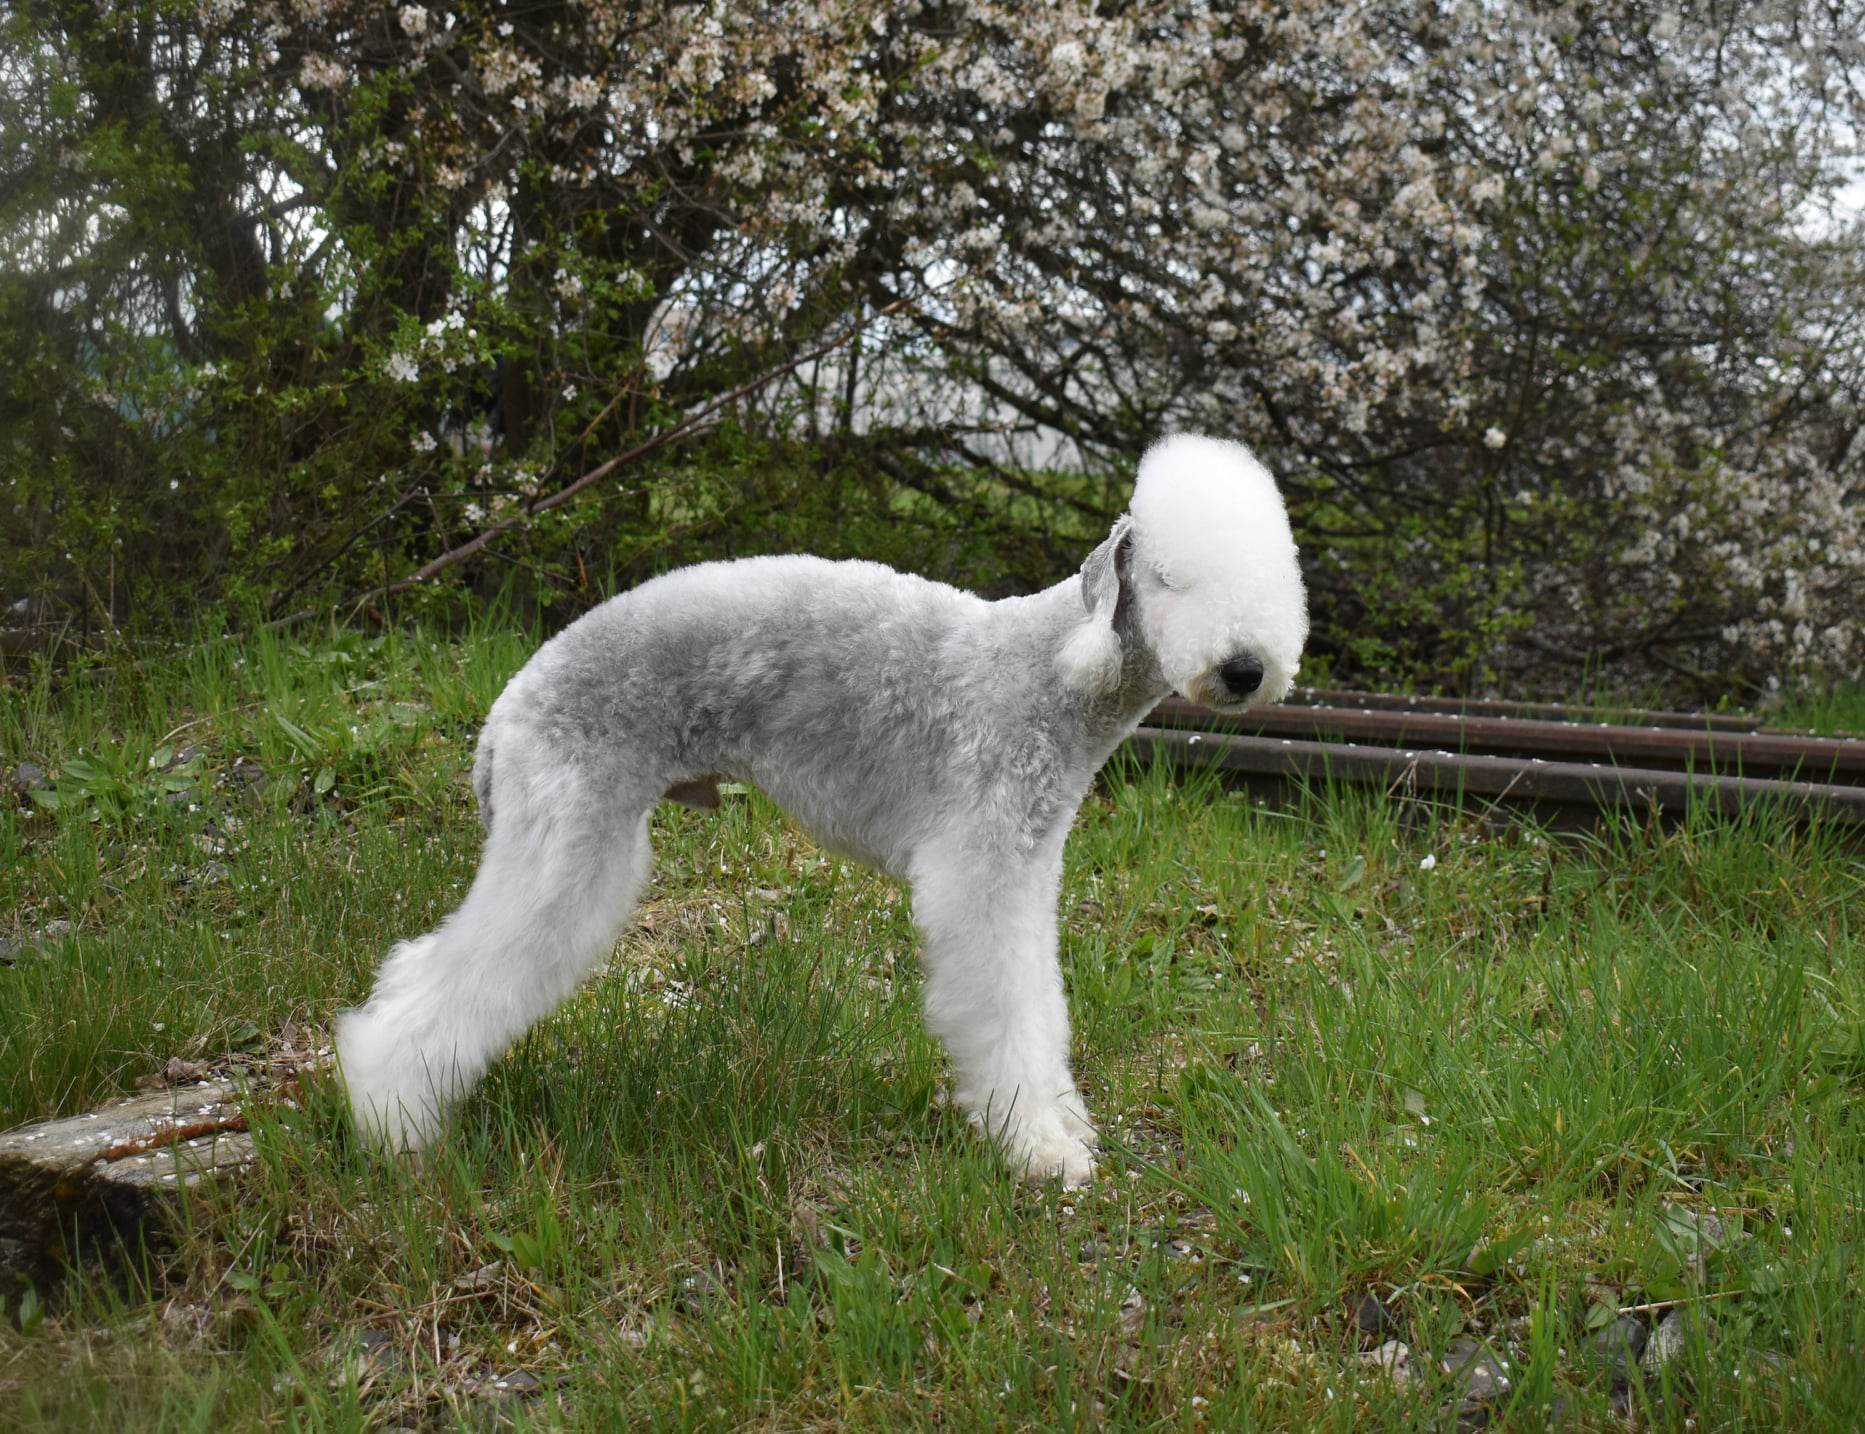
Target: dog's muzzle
[1241, 676]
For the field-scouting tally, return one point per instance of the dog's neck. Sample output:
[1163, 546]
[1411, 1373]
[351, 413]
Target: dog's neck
[1102, 719]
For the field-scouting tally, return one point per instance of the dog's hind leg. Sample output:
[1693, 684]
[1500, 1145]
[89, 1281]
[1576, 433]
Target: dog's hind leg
[555, 885]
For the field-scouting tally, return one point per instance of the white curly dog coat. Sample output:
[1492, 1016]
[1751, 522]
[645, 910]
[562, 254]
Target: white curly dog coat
[943, 738]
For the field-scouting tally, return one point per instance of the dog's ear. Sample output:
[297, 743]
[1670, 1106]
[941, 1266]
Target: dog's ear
[1090, 660]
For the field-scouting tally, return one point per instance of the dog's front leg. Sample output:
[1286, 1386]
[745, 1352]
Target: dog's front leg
[994, 997]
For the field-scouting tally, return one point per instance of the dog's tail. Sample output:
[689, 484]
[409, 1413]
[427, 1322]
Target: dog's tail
[482, 776]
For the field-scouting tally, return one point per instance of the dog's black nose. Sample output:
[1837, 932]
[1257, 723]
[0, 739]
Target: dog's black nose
[1242, 675]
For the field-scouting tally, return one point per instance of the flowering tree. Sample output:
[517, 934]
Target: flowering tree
[1544, 314]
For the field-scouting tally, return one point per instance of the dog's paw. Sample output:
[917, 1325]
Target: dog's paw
[393, 1105]
[1077, 1123]
[1058, 1142]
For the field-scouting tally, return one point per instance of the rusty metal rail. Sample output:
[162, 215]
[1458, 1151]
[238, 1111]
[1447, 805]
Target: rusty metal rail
[1733, 753]
[1565, 768]
[1545, 711]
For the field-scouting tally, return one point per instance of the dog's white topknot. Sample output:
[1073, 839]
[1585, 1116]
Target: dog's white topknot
[1196, 498]
[1210, 522]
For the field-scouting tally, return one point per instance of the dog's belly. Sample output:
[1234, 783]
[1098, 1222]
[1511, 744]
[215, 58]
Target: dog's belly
[862, 821]
[830, 830]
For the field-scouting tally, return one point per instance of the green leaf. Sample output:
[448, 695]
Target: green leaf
[246, 1033]
[326, 779]
[1667, 1287]
[307, 745]
[31, 1311]
[1497, 1253]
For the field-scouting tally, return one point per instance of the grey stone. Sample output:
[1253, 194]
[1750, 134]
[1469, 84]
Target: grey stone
[1372, 1317]
[1671, 1335]
[1394, 1358]
[370, 1355]
[1458, 1353]
[695, 1289]
[245, 779]
[1482, 1379]
[10, 950]
[1486, 1379]
[27, 777]
[1618, 1346]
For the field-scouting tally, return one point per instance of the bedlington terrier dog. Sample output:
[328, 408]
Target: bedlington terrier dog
[941, 737]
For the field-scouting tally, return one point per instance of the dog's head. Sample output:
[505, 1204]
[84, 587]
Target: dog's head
[1201, 572]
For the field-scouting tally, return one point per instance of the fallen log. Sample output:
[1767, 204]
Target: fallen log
[92, 1181]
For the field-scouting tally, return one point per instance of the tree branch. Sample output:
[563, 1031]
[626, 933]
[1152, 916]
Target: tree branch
[692, 423]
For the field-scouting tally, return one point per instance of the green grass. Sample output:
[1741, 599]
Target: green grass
[721, 1188]
[1836, 710]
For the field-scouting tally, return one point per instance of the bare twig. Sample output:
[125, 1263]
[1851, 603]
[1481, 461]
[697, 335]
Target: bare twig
[174, 1133]
[1653, 1306]
[350, 542]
